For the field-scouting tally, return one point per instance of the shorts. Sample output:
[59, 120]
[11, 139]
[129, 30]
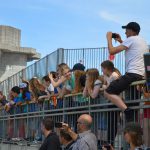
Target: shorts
[121, 84]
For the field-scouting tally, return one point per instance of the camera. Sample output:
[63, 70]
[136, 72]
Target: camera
[114, 35]
[58, 125]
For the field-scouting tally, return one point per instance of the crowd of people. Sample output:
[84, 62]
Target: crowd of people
[66, 80]
[84, 139]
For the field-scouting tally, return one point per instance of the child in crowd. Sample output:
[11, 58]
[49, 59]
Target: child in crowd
[93, 83]
[80, 77]
[26, 95]
[24, 90]
[65, 77]
[15, 99]
[3, 100]
[15, 91]
[50, 90]
[110, 73]
[49, 87]
[37, 89]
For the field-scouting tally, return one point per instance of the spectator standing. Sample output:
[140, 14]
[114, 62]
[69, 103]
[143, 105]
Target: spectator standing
[66, 140]
[51, 141]
[85, 139]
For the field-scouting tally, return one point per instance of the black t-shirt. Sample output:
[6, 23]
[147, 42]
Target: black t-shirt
[69, 146]
[51, 142]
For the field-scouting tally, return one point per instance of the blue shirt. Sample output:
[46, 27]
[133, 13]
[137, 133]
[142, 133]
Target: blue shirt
[28, 96]
[18, 98]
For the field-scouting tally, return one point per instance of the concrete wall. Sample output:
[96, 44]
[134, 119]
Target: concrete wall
[13, 57]
[11, 64]
[10, 35]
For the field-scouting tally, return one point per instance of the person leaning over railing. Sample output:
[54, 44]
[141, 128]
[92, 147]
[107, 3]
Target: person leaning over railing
[24, 90]
[85, 139]
[134, 47]
[66, 78]
[3, 100]
[37, 89]
[110, 73]
[49, 89]
[17, 99]
[93, 83]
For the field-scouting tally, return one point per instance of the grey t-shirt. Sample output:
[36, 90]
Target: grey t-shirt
[86, 141]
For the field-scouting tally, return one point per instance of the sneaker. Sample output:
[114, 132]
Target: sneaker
[129, 115]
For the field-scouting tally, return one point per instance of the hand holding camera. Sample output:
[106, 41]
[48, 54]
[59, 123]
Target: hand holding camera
[114, 36]
[107, 147]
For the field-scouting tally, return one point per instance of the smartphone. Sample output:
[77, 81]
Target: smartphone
[114, 35]
[58, 125]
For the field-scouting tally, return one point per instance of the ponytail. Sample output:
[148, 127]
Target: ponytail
[117, 71]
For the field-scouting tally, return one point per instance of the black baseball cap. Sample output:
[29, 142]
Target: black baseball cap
[78, 66]
[133, 26]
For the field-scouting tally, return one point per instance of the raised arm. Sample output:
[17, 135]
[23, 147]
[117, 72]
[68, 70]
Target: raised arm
[114, 50]
[60, 81]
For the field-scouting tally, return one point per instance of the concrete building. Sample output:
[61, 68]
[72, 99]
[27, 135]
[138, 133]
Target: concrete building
[13, 57]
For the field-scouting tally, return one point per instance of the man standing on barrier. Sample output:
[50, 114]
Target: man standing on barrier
[51, 141]
[134, 47]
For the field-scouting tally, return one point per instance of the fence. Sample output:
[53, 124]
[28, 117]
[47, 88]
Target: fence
[108, 123]
[69, 56]
[22, 126]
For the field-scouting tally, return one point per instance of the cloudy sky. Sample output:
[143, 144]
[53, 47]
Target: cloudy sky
[50, 24]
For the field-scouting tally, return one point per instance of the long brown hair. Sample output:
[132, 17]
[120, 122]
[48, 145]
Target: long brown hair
[135, 132]
[79, 81]
[107, 64]
[93, 75]
[35, 86]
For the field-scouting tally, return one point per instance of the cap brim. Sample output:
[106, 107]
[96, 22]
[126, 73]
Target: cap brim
[124, 27]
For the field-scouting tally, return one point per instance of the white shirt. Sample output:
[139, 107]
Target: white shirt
[98, 83]
[50, 88]
[134, 54]
[112, 77]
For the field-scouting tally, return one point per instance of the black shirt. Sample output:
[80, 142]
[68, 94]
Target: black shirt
[51, 142]
[69, 146]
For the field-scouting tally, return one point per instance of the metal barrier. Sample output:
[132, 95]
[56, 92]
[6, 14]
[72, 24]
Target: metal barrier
[96, 57]
[108, 122]
[69, 56]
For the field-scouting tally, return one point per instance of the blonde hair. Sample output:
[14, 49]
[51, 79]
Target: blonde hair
[62, 67]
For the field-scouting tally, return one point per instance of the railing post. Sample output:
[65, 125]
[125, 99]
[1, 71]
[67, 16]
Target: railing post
[47, 64]
[60, 55]
[35, 69]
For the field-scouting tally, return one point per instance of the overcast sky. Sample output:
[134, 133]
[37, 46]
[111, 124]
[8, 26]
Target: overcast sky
[50, 24]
